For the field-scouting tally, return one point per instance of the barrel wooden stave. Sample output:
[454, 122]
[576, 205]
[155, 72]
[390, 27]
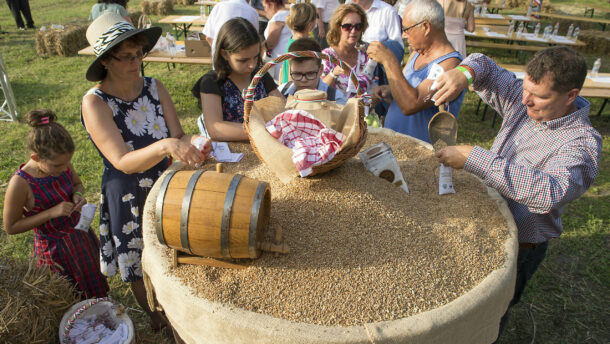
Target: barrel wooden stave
[206, 213]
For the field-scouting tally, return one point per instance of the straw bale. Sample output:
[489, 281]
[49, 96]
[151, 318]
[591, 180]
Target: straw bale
[146, 7]
[45, 42]
[41, 47]
[598, 42]
[33, 301]
[159, 7]
[66, 42]
[71, 40]
[164, 7]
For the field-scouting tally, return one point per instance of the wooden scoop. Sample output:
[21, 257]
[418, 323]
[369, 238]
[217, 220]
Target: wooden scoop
[443, 126]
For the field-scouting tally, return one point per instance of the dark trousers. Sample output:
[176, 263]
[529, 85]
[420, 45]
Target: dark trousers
[322, 41]
[18, 7]
[527, 263]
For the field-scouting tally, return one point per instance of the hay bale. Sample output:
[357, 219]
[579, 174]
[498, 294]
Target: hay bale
[164, 7]
[146, 7]
[598, 42]
[63, 42]
[159, 7]
[69, 41]
[33, 301]
[41, 47]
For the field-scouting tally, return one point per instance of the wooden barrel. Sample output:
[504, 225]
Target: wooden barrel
[212, 214]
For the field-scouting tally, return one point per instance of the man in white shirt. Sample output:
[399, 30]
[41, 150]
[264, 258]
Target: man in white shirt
[222, 12]
[325, 8]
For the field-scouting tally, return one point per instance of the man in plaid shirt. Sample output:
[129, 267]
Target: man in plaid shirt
[546, 153]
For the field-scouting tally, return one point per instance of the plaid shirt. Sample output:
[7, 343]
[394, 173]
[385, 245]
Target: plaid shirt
[537, 167]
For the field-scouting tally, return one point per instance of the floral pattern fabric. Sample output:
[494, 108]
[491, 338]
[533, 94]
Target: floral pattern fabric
[141, 123]
[342, 80]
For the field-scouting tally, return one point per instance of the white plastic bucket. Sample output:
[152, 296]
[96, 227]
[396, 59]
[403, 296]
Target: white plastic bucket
[92, 307]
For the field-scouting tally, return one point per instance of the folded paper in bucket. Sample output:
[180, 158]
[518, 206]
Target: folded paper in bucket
[311, 141]
[91, 329]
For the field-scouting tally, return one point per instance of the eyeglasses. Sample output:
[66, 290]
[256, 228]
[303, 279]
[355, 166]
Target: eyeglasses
[406, 29]
[296, 76]
[129, 58]
[348, 27]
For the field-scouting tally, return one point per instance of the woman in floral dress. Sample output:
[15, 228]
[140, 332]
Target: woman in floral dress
[133, 124]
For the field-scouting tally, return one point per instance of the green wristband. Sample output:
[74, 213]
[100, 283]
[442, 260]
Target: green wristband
[78, 193]
[466, 73]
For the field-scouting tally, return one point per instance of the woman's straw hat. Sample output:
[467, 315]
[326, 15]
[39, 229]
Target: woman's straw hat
[108, 31]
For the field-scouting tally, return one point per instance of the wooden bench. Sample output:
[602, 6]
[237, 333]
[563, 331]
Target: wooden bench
[195, 28]
[505, 46]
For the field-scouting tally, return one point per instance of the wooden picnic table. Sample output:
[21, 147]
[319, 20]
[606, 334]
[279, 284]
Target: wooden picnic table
[601, 21]
[501, 19]
[181, 24]
[590, 89]
[157, 57]
[485, 32]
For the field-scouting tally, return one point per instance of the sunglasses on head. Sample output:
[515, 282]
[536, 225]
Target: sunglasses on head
[348, 27]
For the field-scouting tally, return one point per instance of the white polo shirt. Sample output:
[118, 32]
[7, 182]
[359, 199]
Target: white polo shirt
[384, 23]
[225, 10]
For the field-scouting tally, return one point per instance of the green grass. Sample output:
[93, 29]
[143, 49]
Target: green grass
[567, 299]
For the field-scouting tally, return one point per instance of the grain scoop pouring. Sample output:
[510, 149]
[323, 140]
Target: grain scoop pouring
[442, 130]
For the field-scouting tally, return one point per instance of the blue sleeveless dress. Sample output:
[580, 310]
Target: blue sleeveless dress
[141, 123]
[416, 125]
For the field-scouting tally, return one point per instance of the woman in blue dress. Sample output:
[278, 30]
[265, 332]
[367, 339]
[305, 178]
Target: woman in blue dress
[133, 124]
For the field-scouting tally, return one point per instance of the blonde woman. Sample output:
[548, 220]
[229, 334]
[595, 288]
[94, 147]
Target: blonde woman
[301, 21]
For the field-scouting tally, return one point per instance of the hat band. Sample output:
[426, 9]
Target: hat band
[110, 35]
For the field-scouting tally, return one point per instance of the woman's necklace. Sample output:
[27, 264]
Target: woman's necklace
[348, 55]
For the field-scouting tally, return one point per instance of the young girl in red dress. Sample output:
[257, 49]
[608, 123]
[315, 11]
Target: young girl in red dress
[45, 195]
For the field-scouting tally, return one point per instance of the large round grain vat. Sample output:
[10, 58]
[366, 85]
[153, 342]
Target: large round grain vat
[470, 317]
[212, 214]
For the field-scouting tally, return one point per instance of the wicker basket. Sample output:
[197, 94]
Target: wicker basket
[342, 154]
[93, 307]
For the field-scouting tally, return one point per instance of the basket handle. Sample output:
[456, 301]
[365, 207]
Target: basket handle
[249, 97]
[144, 22]
[81, 310]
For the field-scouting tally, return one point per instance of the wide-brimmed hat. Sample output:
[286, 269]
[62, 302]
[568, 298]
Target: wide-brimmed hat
[109, 30]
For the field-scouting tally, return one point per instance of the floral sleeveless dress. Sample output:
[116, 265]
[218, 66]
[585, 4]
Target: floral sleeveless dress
[72, 252]
[141, 123]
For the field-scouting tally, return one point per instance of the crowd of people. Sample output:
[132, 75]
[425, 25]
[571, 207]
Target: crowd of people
[546, 153]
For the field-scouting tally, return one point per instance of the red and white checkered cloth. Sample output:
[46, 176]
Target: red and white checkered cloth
[311, 142]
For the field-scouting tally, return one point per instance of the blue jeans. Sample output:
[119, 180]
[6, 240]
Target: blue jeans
[527, 263]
